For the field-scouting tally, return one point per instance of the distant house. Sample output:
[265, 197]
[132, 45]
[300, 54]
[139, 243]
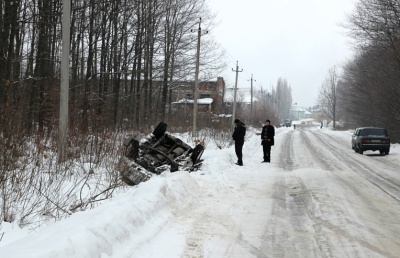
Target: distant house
[210, 98]
[204, 104]
[299, 113]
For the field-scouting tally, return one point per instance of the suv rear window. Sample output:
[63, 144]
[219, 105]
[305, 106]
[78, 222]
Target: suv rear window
[373, 131]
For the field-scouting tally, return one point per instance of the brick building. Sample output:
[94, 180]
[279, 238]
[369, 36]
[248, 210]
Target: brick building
[210, 98]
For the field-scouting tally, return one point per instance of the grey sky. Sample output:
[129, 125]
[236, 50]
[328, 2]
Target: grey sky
[298, 40]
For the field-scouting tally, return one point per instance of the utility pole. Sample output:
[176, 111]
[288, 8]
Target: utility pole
[234, 94]
[251, 99]
[64, 82]
[196, 82]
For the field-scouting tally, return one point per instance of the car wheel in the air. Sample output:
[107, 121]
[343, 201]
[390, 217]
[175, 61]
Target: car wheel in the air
[197, 152]
[160, 130]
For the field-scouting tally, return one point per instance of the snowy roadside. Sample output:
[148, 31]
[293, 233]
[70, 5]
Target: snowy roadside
[220, 210]
[128, 216]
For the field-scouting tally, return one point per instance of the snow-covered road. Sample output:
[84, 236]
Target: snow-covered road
[339, 203]
[317, 198]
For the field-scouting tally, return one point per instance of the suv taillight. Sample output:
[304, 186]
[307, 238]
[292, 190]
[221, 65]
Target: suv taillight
[366, 140]
[386, 141]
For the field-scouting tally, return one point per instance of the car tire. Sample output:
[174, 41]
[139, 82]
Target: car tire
[360, 150]
[160, 130]
[197, 152]
[387, 152]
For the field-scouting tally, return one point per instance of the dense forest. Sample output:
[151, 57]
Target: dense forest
[124, 57]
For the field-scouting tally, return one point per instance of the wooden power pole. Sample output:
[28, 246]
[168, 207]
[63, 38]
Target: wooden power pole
[64, 84]
[234, 92]
[196, 82]
[251, 99]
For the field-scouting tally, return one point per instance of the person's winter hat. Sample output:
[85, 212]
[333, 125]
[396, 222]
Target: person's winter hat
[237, 121]
[268, 121]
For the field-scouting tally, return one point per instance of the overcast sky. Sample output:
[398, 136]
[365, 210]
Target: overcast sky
[298, 40]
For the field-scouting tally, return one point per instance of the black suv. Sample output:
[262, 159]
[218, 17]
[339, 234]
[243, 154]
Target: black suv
[370, 138]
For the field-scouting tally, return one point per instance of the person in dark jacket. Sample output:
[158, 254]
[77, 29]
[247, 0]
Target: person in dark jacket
[238, 137]
[267, 140]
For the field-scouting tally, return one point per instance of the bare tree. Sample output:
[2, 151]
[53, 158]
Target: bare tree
[124, 61]
[375, 23]
[327, 95]
[283, 98]
[369, 90]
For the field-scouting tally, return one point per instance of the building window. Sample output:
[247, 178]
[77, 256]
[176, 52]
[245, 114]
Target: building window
[189, 95]
[205, 95]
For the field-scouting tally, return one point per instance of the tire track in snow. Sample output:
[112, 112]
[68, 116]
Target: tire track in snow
[335, 202]
[383, 160]
[286, 154]
[290, 232]
[359, 192]
[390, 186]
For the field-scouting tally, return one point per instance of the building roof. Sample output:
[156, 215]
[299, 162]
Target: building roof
[296, 108]
[204, 101]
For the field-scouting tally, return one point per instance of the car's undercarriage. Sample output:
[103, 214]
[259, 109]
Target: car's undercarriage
[146, 155]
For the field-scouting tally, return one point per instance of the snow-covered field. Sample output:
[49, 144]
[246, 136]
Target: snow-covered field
[317, 198]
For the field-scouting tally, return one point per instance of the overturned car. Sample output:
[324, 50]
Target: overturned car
[146, 155]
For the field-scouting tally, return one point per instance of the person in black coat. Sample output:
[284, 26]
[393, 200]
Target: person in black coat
[238, 137]
[267, 140]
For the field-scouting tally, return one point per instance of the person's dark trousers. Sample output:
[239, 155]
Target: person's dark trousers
[238, 150]
[267, 152]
